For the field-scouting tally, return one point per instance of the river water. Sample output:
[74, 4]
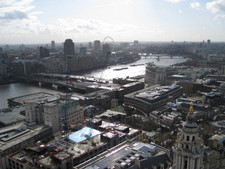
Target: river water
[110, 73]
[19, 89]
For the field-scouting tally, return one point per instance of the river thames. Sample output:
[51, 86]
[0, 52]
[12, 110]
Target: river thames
[19, 89]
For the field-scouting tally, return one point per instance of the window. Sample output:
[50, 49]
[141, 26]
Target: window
[185, 164]
[187, 138]
[187, 147]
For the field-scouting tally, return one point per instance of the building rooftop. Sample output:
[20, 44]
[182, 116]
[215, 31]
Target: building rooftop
[125, 155]
[84, 134]
[34, 97]
[20, 156]
[17, 134]
[110, 113]
[84, 147]
[47, 161]
[12, 116]
[155, 92]
[62, 155]
[220, 123]
[109, 134]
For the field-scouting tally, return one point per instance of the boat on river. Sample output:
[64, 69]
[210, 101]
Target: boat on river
[137, 64]
[118, 69]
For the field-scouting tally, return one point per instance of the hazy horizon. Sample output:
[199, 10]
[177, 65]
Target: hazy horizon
[39, 21]
[140, 42]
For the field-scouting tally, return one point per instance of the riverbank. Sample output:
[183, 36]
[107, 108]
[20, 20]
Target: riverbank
[8, 81]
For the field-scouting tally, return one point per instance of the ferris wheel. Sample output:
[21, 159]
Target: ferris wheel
[109, 40]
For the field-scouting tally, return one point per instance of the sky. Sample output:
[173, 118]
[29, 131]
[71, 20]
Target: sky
[41, 21]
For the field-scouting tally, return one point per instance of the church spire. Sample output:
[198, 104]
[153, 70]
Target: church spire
[191, 119]
[191, 109]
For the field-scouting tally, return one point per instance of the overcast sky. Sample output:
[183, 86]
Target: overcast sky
[40, 21]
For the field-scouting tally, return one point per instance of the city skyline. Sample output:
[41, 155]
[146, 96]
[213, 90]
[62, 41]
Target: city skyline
[32, 21]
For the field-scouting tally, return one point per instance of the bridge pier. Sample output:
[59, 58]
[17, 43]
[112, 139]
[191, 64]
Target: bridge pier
[62, 87]
[55, 86]
[44, 84]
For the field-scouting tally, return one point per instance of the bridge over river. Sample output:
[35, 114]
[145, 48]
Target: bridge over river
[80, 84]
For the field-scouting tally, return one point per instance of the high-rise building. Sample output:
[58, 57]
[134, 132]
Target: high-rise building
[188, 151]
[69, 47]
[208, 41]
[90, 45]
[43, 52]
[6, 48]
[106, 51]
[83, 51]
[97, 45]
[52, 45]
[135, 43]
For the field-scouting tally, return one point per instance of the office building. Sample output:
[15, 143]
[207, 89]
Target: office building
[90, 45]
[83, 51]
[133, 155]
[16, 137]
[157, 74]
[3, 71]
[208, 41]
[55, 113]
[43, 52]
[106, 50]
[52, 45]
[152, 97]
[97, 46]
[135, 43]
[69, 47]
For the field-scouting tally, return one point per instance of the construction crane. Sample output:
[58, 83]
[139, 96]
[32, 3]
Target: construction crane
[65, 108]
[106, 57]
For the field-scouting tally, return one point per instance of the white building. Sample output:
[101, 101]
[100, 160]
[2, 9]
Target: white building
[157, 74]
[188, 151]
[56, 113]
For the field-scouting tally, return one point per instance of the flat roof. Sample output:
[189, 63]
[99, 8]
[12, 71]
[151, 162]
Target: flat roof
[125, 155]
[62, 155]
[4, 145]
[12, 116]
[156, 92]
[84, 134]
[34, 97]
[110, 113]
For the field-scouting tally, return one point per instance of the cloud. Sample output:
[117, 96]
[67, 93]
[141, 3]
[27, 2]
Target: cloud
[180, 11]
[22, 25]
[216, 6]
[195, 5]
[16, 9]
[33, 31]
[14, 15]
[19, 18]
[174, 1]
[81, 26]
